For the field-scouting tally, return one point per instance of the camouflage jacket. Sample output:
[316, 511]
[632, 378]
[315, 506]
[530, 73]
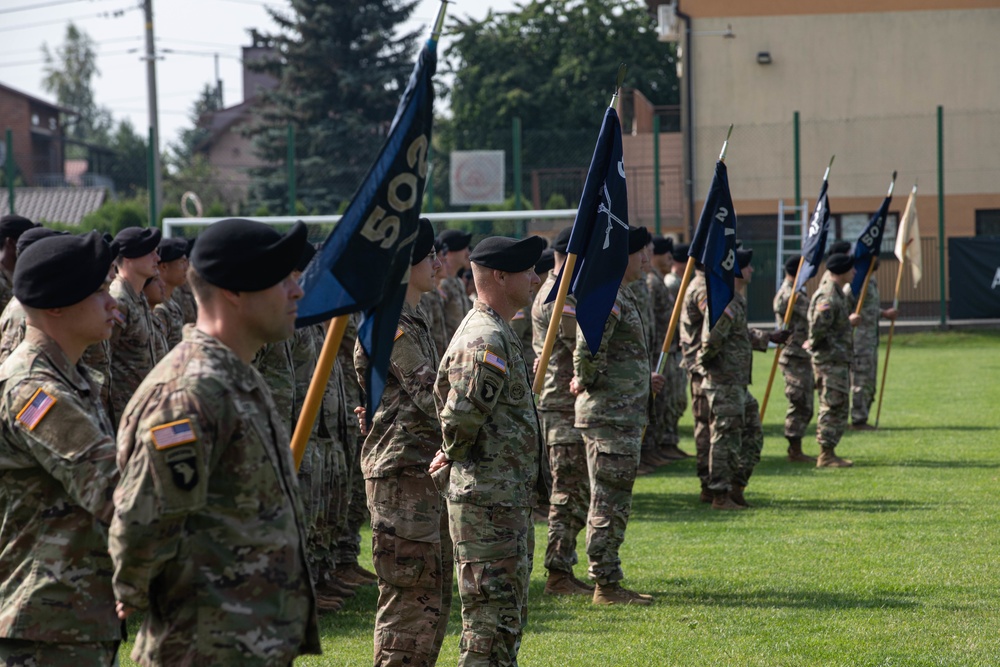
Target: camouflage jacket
[432, 305]
[617, 377]
[172, 315]
[488, 422]
[57, 474]
[185, 298]
[12, 326]
[274, 363]
[161, 329]
[521, 324]
[456, 303]
[405, 431]
[672, 282]
[97, 358]
[799, 326]
[208, 535]
[555, 394]
[661, 304]
[353, 396]
[829, 326]
[644, 301]
[727, 348]
[692, 316]
[866, 333]
[6, 288]
[133, 353]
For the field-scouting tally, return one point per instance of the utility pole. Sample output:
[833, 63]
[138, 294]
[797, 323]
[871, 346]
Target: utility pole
[154, 180]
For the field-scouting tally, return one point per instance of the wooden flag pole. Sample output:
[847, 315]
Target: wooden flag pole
[777, 352]
[317, 387]
[566, 276]
[888, 346]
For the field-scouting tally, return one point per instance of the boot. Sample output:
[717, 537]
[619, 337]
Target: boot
[795, 454]
[615, 594]
[862, 426]
[335, 588]
[722, 501]
[649, 458]
[736, 495]
[564, 583]
[674, 453]
[705, 496]
[328, 603]
[827, 459]
[583, 585]
[353, 573]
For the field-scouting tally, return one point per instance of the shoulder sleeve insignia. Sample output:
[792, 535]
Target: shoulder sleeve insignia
[569, 310]
[616, 310]
[519, 315]
[703, 303]
[119, 317]
[729, 311]
[495, 361]
[39, 405]
[823, 305]
[399, 334]
[170, 435]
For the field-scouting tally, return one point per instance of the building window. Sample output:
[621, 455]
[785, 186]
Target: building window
[988, 222]
[34, 120]
[52, 124]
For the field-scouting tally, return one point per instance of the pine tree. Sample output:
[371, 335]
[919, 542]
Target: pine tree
[341, 69]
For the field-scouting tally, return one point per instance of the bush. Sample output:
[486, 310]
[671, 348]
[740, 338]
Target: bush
[115, 216]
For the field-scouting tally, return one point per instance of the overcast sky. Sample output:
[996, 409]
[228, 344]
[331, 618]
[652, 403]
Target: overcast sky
[188, 32]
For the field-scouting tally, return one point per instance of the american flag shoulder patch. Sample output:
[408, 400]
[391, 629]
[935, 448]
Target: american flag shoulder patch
[170, 435]
[39, 405]
[703, 303]
[119, 317]
[616, 310]
[569, 310]
[399, 334]
[823, 305]
[495, 361]
[519, 315]
[729, 311]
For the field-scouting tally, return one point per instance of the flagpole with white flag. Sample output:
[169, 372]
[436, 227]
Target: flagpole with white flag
[907, 243]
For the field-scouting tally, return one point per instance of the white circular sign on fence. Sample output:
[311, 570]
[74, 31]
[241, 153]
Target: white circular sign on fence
[477, 177]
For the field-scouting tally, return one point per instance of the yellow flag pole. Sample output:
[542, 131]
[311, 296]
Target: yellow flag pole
[777, 352]
[317, 386]
[550, 336]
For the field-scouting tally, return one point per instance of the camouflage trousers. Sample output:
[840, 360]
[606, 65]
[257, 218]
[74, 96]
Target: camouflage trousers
[675, 397]
[21, 653]
[737, 438]
[799, 387]
[493, 549]
[702, 427]
[355, 513]
[864, 374]
[570, 488]
[412, 556]
[612, 460]
[832, 387]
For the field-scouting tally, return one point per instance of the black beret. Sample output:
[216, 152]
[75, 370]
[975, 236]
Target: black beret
[743, 257]
[247, 256]
[35, 234]
[562, 240]
[839, 263]
[12, 226]
[136, 242]
[506, 254]
[841, 247]
[638, 238]
[792, 265]
[455, 239]
[546, 262]
[440, 247]
[661, 245]
[308, 252]
[62, 270]
[170, 250]
[424, 241]
[680, 252]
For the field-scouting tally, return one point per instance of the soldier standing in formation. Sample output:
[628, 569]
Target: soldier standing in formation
[672, 264]
[57, 464]
[172, 267]
[864, 364]
[208, 536]
[456, 302]
[612, 392]
[692, 320]
[432, 303]
[11, 228]
[488, 466]
[796, 363]
[830, 324]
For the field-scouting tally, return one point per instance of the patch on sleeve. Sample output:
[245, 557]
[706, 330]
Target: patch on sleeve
[119, 317]
[569, 310]
[823, 305]
[485, 387]
[729, 311]
[494, 361]
[170, 435]
[399, 334]
[703, 303]
[519, 315]
[183, 464]
[39, 405]
[616, 310]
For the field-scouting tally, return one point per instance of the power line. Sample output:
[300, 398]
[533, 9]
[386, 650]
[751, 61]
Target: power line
[22, 63]
[24, 8]
[112, 14]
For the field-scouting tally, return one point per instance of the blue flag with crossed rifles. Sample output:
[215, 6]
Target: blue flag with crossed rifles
[868, 245]
[714, 244]
[600, 235]
[814, 245]
[364, 263]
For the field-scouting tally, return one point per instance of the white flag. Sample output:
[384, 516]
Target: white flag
[908, 239]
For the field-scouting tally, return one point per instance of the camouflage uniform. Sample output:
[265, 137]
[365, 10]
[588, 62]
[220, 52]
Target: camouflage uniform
[864, 364]
[660, 307]
[675, 387]
[305, 349]
[611, 412]
[132, 347]
[12, 326]
[57, 473]
[521, 324]
[185, 298]
[570, 496]
[411, 547]
[796, 364]
[456, 303]
[348, 546]
[6, 287]
[159, 332]
[432, 303]
[831, 348]
[208, 534]
[492, 437]
[172, 316]
[274, 363]
[97, 358]
[692, 317]
[727, 358]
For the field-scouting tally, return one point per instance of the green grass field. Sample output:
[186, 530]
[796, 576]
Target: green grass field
[889, 563]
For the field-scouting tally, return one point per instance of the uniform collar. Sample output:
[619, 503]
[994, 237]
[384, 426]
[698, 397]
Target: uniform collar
[56, 357]
[242, 374]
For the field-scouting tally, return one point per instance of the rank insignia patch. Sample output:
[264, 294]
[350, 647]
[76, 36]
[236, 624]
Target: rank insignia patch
[173, 434]
[37, 407]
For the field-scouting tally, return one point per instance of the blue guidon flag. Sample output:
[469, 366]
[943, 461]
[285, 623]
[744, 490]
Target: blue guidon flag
[868, 246]
[600, 235]
[714, 244]
[364, 264]
[814, 245]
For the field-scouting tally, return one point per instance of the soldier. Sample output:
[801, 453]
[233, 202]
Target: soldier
[726, 356]
[456, 303]
[692, 319]
[612, 389]
[208, 536]
[675, 389]
[488, 466]
[796, 364]
[432, 304]
[183, 295]
[522, 323]
[155, 292]
[411, 548]
[57, 464]
[655, 442]
[830, 323]
[864, 365]
[567, 454]
[132, 351]
[11, 228]
[173, 271]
